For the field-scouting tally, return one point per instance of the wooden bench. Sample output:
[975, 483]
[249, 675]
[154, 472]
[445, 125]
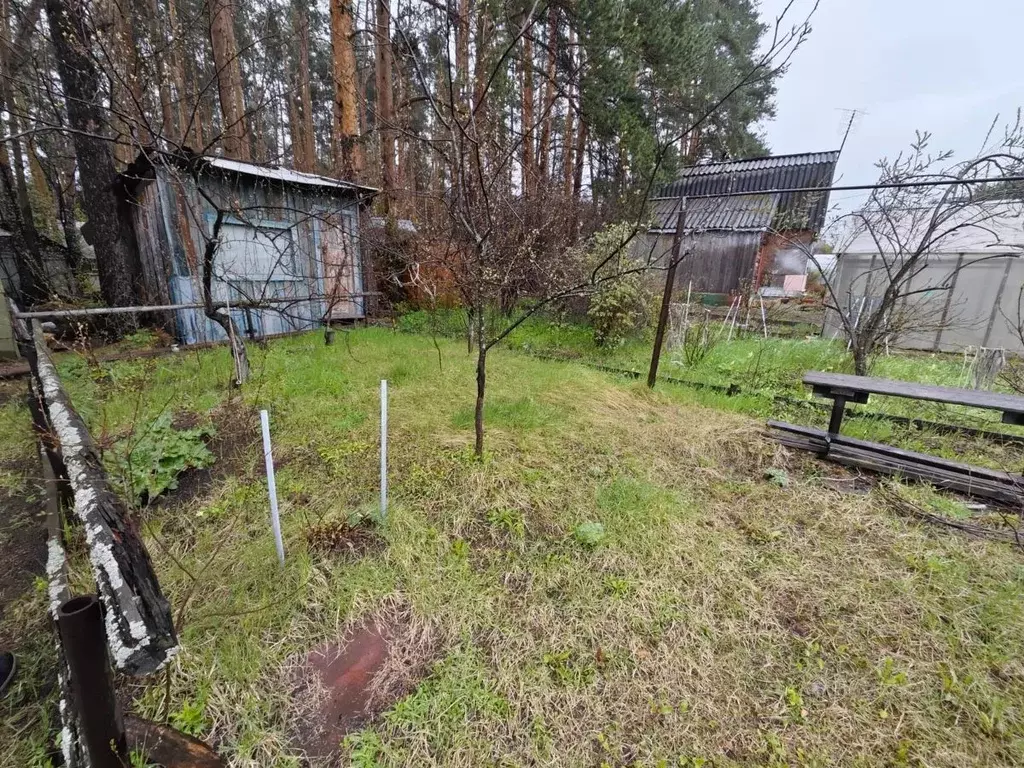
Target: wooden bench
[841, 388]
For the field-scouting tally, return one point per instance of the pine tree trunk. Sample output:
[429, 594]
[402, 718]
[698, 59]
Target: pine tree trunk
[568, 150]
[234, 134]
[26, 263]
[306, 161]
[109, 226]
[158, 38]
[543, 160]
[529, 160]
[348, 161]
[186, 110]
[129, 99]
[577, 179]
[385, 106]
[462, 54]
[66, 214]
[31, 276]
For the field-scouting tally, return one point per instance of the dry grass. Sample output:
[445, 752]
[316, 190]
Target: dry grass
[723, 619]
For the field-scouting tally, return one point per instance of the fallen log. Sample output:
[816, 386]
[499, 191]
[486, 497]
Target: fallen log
[140, 632]
[165, 746]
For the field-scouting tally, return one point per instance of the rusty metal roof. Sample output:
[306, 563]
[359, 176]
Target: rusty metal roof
[748, 213]
[793, 210]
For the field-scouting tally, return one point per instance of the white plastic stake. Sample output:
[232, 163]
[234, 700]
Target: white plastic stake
[383, 448]
[268, 458]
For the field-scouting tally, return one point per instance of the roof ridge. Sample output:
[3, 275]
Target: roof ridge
[761, 157]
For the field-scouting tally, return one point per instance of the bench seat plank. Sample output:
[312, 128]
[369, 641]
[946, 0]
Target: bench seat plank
[824, 383]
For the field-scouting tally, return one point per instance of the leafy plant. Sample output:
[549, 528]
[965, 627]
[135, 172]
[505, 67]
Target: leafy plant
[621, 305]
[888, 675]
[589, 534]
[138, 760]
[698, 340]
[616, 586]
[149, 462]
[795, 704]
[567, 668]
[364, 748]
[510, 520]
[618, 310]
[189, 719]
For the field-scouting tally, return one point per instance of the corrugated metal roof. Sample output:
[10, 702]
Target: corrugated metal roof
[793, 210]
[286, 175]
[146, 159]
[749, 213]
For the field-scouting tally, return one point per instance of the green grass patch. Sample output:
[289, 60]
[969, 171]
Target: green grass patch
[619, 582]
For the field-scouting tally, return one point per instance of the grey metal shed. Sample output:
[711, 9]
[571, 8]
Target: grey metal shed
[284, 236]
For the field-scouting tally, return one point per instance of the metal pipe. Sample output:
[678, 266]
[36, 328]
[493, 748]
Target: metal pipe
[101, 726]
[91, 311]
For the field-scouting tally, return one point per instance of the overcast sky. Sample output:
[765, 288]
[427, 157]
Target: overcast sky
[945, 66]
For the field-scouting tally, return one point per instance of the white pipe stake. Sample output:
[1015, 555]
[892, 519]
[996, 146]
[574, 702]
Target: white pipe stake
[383, 448]
[268, 458]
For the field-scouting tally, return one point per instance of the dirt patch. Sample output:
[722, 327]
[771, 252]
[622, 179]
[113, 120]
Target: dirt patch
[341, 537]
[797, 614]
[22, 538]
[341, 686]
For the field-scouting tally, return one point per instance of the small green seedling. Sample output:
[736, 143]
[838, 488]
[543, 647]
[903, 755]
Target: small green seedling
[589, 534]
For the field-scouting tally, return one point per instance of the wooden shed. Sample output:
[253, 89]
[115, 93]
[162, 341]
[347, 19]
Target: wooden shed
[277, 236]
[741, 242]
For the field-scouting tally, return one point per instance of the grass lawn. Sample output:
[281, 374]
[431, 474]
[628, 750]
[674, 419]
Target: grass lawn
[723, 619]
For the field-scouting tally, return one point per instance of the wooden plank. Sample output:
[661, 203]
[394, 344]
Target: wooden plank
[140, 632]
[875, 463]
[993, 475]
[995, 401]
[975, 481]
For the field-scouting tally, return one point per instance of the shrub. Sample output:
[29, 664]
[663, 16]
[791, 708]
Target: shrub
[618, 310]
[619, 306]
[149, 462]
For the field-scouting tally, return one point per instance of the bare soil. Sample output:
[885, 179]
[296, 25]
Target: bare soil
[22, 536]
[343, 674]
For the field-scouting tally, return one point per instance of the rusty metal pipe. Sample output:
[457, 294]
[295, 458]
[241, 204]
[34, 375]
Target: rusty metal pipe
[101, 727]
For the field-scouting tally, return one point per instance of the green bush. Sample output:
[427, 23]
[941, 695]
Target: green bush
[618, 310]
[150, 461]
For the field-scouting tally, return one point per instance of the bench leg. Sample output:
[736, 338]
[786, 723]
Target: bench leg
[835, 420]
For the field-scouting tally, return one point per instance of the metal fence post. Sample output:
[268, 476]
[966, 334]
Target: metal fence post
[101, 726]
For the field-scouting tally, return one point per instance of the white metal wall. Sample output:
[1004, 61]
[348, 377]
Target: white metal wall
[980, 309]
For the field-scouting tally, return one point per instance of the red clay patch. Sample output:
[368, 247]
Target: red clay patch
[342, 674]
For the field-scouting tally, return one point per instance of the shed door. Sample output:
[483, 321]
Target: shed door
[341, 273]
